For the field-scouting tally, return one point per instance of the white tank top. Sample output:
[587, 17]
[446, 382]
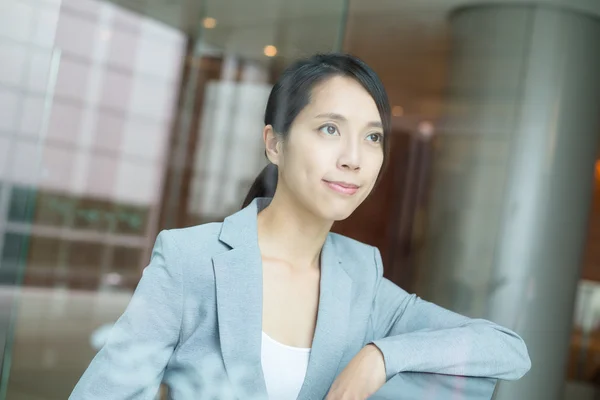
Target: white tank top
[284, 368]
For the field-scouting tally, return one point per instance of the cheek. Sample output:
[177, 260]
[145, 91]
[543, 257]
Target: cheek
[298, 169]
[371, 169]
[373, 165]
[320, 161]
[311, 160]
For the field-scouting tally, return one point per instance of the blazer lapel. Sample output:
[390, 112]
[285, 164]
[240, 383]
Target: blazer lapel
[238, 276]
[332, 321]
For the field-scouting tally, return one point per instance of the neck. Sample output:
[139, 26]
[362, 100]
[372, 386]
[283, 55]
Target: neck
[289, 232]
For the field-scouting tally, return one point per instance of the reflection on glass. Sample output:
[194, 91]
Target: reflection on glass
[83, 151]
[21, 204]
[115, 117]
[234, 63]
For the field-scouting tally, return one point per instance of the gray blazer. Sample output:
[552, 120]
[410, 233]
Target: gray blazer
[195, 322]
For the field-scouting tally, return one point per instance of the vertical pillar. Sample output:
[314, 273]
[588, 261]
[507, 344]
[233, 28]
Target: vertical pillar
[513, 178]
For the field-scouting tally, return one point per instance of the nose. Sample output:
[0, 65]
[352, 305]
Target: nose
[350, 156]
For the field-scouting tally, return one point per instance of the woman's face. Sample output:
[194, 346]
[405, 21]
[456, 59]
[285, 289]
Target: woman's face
[333, 153]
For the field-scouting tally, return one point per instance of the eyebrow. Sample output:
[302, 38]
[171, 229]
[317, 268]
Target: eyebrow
[341, 118]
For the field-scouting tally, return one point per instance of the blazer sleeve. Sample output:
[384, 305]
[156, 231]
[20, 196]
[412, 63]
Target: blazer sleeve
[418, 336]
[132, 362]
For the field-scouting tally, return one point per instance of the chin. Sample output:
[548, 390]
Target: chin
[330, 208]
[335, 214]
[341, 217]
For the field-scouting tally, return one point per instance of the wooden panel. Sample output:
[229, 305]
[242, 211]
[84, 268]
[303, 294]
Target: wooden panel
[591, 264]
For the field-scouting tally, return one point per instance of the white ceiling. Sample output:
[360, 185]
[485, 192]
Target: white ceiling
[185, 14]
[244, 14]
[405, 41]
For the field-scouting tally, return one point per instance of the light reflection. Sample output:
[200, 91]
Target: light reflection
[425, 129]
[209, 23]
[270, 51]
[397, 111]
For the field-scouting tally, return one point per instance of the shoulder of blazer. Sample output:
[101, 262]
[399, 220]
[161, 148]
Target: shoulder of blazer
[357, 258]
[195, 244]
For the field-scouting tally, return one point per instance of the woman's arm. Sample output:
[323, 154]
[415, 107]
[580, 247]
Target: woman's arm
[132, 362]
[417, 336]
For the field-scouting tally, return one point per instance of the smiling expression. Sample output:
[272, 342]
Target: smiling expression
[331, 159]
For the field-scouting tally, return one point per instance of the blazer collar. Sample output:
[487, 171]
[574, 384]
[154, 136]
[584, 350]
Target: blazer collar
[238, 275]
[240, 229]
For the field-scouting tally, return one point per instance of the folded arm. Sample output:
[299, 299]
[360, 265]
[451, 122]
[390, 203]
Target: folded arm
[418, 336]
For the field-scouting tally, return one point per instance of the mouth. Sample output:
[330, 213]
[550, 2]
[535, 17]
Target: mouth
[342, 187]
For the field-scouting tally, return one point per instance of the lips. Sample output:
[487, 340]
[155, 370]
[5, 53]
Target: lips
[342, 187]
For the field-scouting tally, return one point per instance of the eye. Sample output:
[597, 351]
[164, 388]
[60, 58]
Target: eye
[375, 137]
[329, 130]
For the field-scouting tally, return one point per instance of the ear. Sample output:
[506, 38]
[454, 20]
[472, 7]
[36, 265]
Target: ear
[272, 145]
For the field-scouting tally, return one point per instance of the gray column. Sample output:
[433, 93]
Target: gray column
[513, 178]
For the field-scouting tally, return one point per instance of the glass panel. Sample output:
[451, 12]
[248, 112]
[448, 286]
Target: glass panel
[119, 119]
[54, 209]
[21, 204]
[242, 48]
[88, 95]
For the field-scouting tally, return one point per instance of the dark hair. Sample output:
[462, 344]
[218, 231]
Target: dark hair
[292, 93]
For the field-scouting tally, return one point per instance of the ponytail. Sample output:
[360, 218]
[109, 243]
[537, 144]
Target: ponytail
[264, 185]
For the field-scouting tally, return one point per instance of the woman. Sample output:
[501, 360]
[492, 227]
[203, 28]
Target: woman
[269, 303]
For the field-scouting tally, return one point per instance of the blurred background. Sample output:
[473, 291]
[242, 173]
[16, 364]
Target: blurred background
[121, 118]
